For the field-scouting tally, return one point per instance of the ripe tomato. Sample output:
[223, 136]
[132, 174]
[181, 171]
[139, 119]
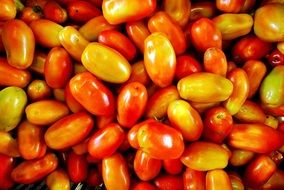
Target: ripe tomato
[77, 167]
[6, 167]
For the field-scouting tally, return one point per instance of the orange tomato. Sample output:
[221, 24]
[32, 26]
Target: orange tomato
[216, 179]
[58, 179]
[8, 10]
[193, 179]
[179, 10]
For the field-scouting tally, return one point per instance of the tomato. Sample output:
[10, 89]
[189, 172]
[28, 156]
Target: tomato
[43, 28]
[94, 177]
[193, 179]
[276, 58]
[106, 63]
[268, 22]
[276, 180]
[218, 123]
[173, 166]
[12, 104]
[74, 128]
[179, 10]
[186, 65]
[19, 43]
[82, 11]
[8, 10]
[272, 87]
[11, 76]
[75, 47]
[119, 11]
[38, 90]
[54, 12]
[160, 141]
[102, 121]
[159, 59]
[158, 103]
[162, 22]
[30, 140]
[131, 103]
[77, 167]
[58, 179]
[45, 112]
[204, 34]
[271, 121]
[248, 6]
[146, 167]
[251, 137]
[250, 112]
[38, 62]
[92, 94]
[202, 9]
[231, 6]
[139, 74]
[236, 181]
[204, 87]
[216, 179]
[30, 14]
[6, 167]
[115, 172]
[186, 119]
[31, 171]
[169, 182]
[215, 61]
[8, 145]
[143, 186]
[241, 157]
[71, 102]
[119, 42]
[259, 171]
[106, 141]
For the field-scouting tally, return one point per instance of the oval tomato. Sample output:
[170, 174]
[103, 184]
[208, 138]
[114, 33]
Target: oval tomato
[7, 165]
[77, 167]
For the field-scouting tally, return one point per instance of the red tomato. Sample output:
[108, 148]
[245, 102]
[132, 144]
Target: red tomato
[186, 65]
[193, 180]
[77, 167]
[173, 166]
[215, 61]
[94, 177]
[30, 13]
[230, 6]
[169, 182]
[92, 94]
[143, 186]
[71, 102]
[6, 167]
[54, 12]
[106, 141]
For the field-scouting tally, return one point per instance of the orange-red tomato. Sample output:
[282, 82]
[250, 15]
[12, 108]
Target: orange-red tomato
[102, 121]
[94, 177]
[30, 14]
[106, 141]
[143, 185]
[193, 179]
[131, 103]
[115, 172]
[74, 128]
[241, 157]
[77, 167]
[169, 182]
[58, 179]
[8, 145]
[7, 165]
[230, 6]
[276, 181]
[146, 167]
[54, 12]
[92, 94]
[139, 74]
[31, 171]
[71, 102]
[202, 9]
[250, 112]
[218, 179]
[160, 141]
[173, 166]
[8, 10]
[159, 59]
[38, 90]
[214, 61]
[186, 65]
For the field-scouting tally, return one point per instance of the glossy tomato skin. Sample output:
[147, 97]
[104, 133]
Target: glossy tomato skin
[58, 179]
[30, 14]
[82, 11]
[139, 74]
[8, 145]
[169, 182]
[106, 141]
[92, 94]
[276, 180]
[58, 68]
[8, 10]
[69, 130]
[186, 65]
[71, 102]
[151, 140]
[145, 167]
[19, 43]
[115, 172]
[202, 9]
[214, 61]
[241, 157]
[204, 34]
[38, 90]
[77, 167]
[250, 112]
[161, 67]
[173, 166]
[54, 12]
[216, 179]
[193, 179]
[7, 165]
[232, 6]
[131, 103]
[120, 11]
[218, 124]
[143, 185]
[32, 171]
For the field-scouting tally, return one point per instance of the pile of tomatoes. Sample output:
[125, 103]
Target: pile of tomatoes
[142, 94]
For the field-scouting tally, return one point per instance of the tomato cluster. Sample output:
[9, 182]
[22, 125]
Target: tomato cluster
[142, 94]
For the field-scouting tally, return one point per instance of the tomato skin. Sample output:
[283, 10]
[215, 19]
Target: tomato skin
[276, 181]
[7, 165]
[30, 140]
[30, 14]
[256, 71]
[58, 67]
[8, 10]
[106, 141]
[119, 11]
[218, 124]
[161, 67]
[38, 90]
[145, 167]
[202, 9]
[77, 167]
[231, 6]
[102, 121]
[250, 112]
[143, 185]
[74, 128]
[115, 172]
[92, 94]
[94, 177]
[131, 103]
[193, 179]
[112, 67]
[162, 22]
[151, 140]
[204, 34]
[54, 12]
[216, 179]
[139, 74]
[58, 179]
[43, 28]
[214, 61]
[186, 119]
[8, 145]
[71, 102]
[192, 87]
[186, 65]
[169, 182]
[31, 171]
[241, 157]
[119, 42]
[259, 171]
[82, 11]
[11, 76]
[53, 111]
[248, 5]
[173, 166]
[38, 62]
[250, 137]
[19, 43]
